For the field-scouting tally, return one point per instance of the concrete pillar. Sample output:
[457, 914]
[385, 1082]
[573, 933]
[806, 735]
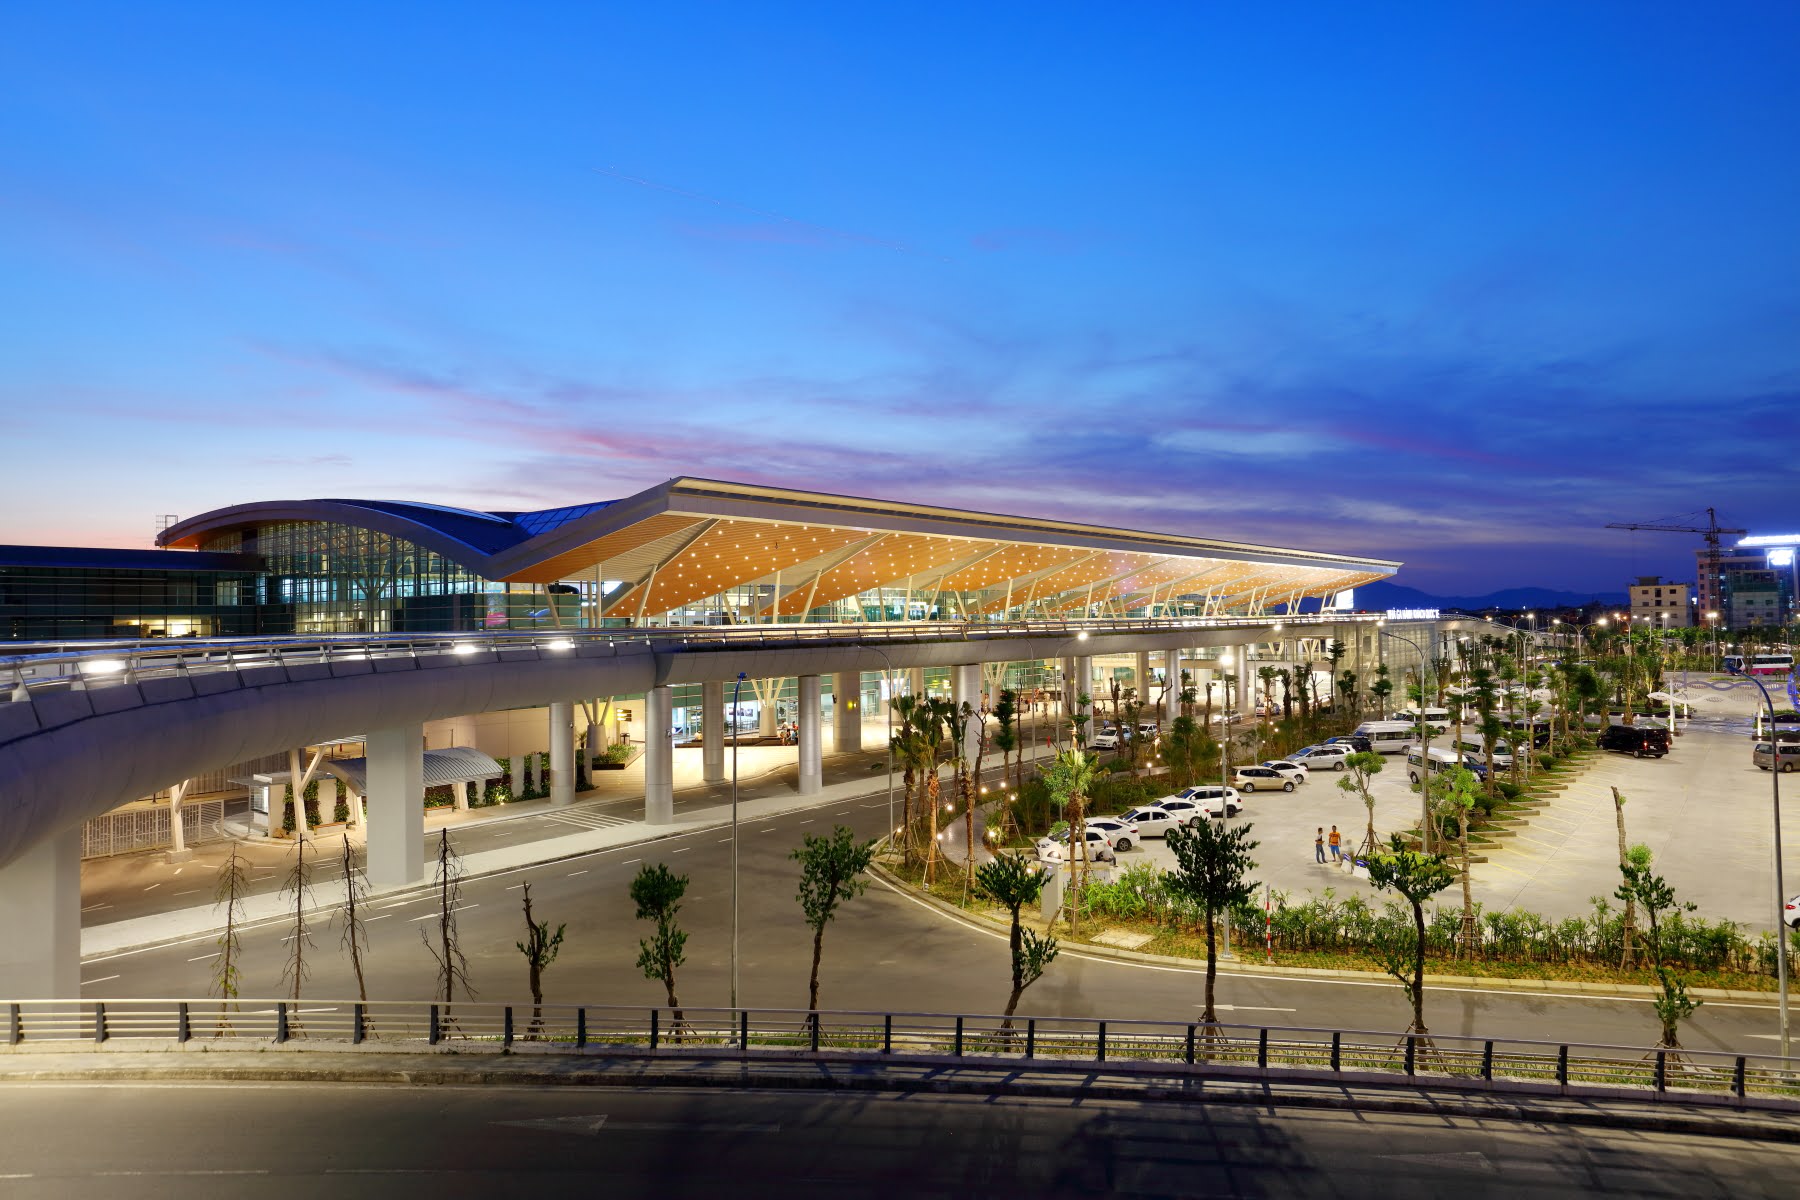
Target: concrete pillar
[462, 796]
[846, 729]
[396, 841]
[562, 753]
[40, 912]
[1140, 676]
[178, 851]
[712, 731]
[1171, 697]
[765, 713]
[659, 757]
[916, 681]
[965, 685]
[811, 764]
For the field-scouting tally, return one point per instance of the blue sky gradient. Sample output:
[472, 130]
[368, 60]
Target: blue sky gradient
[1455, 284]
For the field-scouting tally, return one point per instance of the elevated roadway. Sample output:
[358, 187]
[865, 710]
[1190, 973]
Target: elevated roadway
[88, 727]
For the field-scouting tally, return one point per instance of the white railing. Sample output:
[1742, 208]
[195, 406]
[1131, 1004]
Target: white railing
[1439, 1061]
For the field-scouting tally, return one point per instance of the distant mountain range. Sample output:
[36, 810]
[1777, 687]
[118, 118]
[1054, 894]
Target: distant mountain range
[1382, 595]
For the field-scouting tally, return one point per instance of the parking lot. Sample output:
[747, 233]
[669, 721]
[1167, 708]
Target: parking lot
[1704, 811]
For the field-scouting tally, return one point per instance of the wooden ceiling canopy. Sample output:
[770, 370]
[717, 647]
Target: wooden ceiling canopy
[887, 562]
[727, 555]
[609, 548]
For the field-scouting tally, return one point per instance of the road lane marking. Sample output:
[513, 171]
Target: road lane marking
[204, 957]
[513, 887]
[102, 979]
[382, 917]
[153, 887]
[684, 850]
[573, 874]
[190, 891]
[95, 907]
[770, 829]
[428, 916]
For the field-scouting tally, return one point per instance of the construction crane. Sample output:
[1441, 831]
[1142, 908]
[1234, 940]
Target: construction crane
[1711, 531]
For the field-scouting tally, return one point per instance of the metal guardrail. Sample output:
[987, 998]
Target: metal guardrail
[98, 663]
[1440, 1061]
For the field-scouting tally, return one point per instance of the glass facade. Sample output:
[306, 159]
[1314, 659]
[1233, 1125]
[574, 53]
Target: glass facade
[69, 600]
[348, 579]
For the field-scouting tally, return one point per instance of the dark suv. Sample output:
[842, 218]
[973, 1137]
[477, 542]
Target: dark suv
[1639, 741]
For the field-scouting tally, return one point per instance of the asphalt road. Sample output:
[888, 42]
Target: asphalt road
[304, 1140]
[886, 951]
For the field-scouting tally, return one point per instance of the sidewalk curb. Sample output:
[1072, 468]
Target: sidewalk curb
[1240, 967]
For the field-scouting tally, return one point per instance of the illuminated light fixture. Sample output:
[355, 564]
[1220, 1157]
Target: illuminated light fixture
[102, 666]
[559, 644]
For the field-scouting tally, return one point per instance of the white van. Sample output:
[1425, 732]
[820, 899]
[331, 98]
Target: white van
[1387, 737]
[1437, 718]
[1503, 752]
[1443, 759]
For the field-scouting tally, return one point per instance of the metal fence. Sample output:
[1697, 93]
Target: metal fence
[1271, 1052]
[127, 830]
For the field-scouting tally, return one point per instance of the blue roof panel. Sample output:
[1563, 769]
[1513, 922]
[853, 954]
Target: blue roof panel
[544, 520]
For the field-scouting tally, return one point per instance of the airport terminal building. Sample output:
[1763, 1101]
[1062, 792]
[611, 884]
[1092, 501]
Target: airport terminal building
[686, 552]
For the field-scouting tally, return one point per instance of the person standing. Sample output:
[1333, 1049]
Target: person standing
[1336, 840]
[1319, 845]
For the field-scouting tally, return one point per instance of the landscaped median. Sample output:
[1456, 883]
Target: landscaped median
[1137, 918]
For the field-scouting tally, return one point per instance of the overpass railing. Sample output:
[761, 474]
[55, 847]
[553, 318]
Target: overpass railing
[85, 663]
[1272, 1052]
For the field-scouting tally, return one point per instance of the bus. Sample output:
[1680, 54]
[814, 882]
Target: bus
[1758, 664]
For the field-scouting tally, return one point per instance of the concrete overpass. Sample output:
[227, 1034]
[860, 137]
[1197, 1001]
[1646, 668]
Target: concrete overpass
[90, 727]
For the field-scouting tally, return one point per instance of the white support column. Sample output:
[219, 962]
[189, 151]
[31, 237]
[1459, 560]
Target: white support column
[462, 796]
[1140, 677]
[396, 841]
[1171, 697]
[712, 731]
[659, 757]
[846, 695]
[915, 681]
[178, 851]
[965, 683]
[40, 912]
[562, 753]
[811, 764]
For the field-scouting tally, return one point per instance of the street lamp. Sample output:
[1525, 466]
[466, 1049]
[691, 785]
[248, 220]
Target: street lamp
[1225, 661]
[1425, 838]
[736, 690]
[887, 702]
[1781, 930]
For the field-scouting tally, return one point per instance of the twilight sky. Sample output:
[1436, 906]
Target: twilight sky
[1450, 283]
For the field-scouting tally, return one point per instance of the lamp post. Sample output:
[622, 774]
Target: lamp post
[736, 690]
[1781, 930]
[1425, 838]
[887, 702]
[1712, 623]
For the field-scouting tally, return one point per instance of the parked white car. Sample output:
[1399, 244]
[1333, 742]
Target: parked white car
[1056, 849]
[1293, 770]
[1122, 832]
[1151, 820]
[1266, 779]
[1328, 757]
[1207, 800]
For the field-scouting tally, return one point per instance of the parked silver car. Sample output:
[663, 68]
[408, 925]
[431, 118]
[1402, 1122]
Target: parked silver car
[1784, 756]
